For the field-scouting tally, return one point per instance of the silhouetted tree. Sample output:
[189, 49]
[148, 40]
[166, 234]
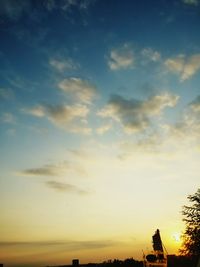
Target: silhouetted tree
[191, 244]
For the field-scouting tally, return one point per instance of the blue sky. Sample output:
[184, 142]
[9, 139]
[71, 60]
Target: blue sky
[99, 115]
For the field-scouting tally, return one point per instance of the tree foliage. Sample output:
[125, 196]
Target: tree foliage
[191, 214]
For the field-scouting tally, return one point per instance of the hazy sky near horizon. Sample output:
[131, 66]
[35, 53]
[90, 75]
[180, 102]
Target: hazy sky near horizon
[100, 126]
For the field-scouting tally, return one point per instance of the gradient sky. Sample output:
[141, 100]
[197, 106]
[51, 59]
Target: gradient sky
[100, 127]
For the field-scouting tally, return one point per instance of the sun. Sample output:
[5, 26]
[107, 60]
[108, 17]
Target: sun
[176, 237]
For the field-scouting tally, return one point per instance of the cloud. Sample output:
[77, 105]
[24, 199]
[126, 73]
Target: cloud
[70, 117]
[14, 9]
[38, 111]
[63, 114]
[68, 245]
[7, 117]
[195, 105]
[103, 129]
[150, 55]
[151, 143]
[121, 58]
[83, 90]
[182, 135]
[6, 94]
[67, 5]
[47, 170]
[184, 67]
[134, 114]
[81, 129]
[191, 2]
[64, 187]
[80, 4]
[188, 126]
[53, 170]
[62, 65]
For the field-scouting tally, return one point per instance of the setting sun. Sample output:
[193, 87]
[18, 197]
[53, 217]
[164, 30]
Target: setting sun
[176, 237]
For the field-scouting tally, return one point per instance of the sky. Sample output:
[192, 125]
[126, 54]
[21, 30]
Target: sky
[99, 127]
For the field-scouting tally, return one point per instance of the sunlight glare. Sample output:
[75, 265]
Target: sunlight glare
[176, 237]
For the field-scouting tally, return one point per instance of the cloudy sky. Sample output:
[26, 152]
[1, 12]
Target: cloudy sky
[100, 127]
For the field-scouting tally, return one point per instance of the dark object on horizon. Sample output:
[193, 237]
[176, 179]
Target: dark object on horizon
[157, 243]
[1, 264]
[191, 217]
[182, 261]
[75, 262]
[151, 258]
[158, 258]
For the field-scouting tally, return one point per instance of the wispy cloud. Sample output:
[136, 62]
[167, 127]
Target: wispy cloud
[80, 4]
[14, 9]
[150, 55]
[184, 67]
[195, 105]
[191, 2]
[83, 90]
[70, 117]
[7, 117]
[69, 245]
[121, 58]
[67, 5]
[59, 169]
[190, 123]
[47, 170]
[65, 187]
[169, 138]
[103, 128]
[62, 65]
[63, 114]
[6, 94]
[135, 114]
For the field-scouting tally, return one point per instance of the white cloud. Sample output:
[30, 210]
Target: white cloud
[46, 170]
[121, 58]
[66, 5]
[175, 64]
[14, 9]
[65, 187]
[134, 115]
[70, 117]
[169, 139]
[81, 89]
[191, 2]
[82, 129]
[6, 93]
[187, 129]
[38, 111]
[62, 65]
[184, 67]
[55, 170]
[7, 117]
[150, 54]
[103, 129]
[195, 105]
[63, 114]
[191, 67]
[80, 4]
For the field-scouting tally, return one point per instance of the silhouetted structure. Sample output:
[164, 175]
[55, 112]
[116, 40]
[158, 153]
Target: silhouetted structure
[1, 264]
[158, 258]
[75, 262]
[182, 261]
[110, 263]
